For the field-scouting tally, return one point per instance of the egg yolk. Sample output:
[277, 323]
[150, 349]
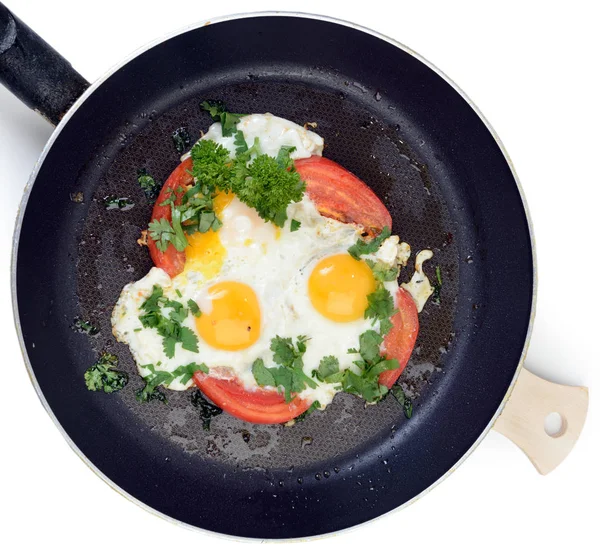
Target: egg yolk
[338, 287]
[205, 252]
[234, 321]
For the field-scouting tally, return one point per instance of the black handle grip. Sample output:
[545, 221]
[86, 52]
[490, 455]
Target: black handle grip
[34, 71]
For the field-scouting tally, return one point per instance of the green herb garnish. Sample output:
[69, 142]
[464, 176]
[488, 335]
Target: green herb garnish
[147, 183]
[219, 113]
[382, 271]
[295, 225]
[362, 247]
[170, 328]
[436, 296]
[85, 327]
[181, 139]
[102, 376]
[403, 400]
[113, 202]
[314, 406]
[289, 374]
[194, 308]
[159, 377]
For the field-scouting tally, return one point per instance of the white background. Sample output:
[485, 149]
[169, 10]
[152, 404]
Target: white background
[532, 68]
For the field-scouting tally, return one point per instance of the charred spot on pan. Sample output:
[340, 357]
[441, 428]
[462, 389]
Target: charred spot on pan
[76, 197]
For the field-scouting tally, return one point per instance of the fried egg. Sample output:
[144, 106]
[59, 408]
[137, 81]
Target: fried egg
[254, 281]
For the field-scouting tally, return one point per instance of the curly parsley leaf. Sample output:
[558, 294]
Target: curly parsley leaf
[211, 166]
[362, 247]
[267, 187]
[102, 376]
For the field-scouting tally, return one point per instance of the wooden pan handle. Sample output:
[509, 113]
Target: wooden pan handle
[522, 419]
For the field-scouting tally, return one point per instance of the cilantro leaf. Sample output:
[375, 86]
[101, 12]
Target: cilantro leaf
[314, 406]
[218, 113]
[365, 248]
[403, 400]
[262, 374]
[437, 287]
[369, 342]
[102, 375]
[328, 366]
[295, 225]
[194, 308]
[169, 346]
[163, 234]
[240, 143]
[188, 339]
[283, 157]
[85, 327]
[382, 271]
[381, 304]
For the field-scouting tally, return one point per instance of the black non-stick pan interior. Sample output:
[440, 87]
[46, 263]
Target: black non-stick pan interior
[399, 126]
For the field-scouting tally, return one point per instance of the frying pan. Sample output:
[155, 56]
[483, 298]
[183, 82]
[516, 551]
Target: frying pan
[388, 116]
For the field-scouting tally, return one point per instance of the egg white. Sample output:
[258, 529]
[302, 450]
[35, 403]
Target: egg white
[275, 264]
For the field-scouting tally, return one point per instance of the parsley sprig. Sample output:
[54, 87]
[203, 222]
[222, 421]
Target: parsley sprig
[102, 375]
[160, 377]
[362, 247]
[169, 327]
[289, 374]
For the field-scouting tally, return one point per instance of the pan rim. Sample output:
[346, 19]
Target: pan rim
[92, 88]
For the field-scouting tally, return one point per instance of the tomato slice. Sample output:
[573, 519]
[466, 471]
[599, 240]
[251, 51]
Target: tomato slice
[340, 195]
[171, 260]
[400, 341]
[258, 407]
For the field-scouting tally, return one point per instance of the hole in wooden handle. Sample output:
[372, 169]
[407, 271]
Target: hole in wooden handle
[544, 419]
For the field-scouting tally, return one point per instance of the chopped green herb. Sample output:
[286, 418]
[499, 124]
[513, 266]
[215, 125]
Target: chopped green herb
[85, 326]
[207, 410]
[403, 400]
[170, 329]
[436, 296]
[147, 183]
[268, 187]
[363, 247]
[381, 304]
[102, 376]
[181, 139]
[194, 308]
[112, 202]
[314, 406]
[163, 234]
[218, 112]
[262, 374]
[295, 225]
[328, 366]
[283, 157]
[151, 392]
[289, 374]
[240, 143]
[382, 271]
